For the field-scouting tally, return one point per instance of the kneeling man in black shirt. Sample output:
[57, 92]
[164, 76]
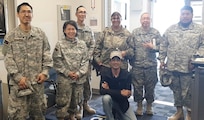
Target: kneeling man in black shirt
[115, 86]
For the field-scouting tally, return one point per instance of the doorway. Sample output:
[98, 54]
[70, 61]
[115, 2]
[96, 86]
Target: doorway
[165, 13]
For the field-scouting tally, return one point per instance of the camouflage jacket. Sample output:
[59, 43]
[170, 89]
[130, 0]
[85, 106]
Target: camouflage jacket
[144, 57]
[109, 41]
[71, 56]
[86, 34]
[27, 54]
[180, 44]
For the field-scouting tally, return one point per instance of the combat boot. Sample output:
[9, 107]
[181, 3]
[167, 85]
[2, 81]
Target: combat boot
[72, 117]
[188, 115]
[149, 109]
[88, 109]
[79, 114]
[178, 115]
[139, 110]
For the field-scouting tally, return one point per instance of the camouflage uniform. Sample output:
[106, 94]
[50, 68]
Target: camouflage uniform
[27, 55]
[110, 41]
[179, 46]
[144, 63]
[85, 34]
[69, 56]
[4, 50]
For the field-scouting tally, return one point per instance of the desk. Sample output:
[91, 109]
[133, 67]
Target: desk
[198, 92]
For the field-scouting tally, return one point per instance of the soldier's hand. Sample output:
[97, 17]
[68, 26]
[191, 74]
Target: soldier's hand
[190, 66]
[148, 45]
[105, 85]
[162, 65]
[126, 93]
[100, 63]
[75, 76]
[22, 83]
[41, 78]
[71, 74]
[123, 53]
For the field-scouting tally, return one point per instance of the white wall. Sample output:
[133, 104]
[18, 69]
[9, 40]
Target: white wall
[45, 14]
[95, 13]
[3, 72]
[137, 7]
[120, 6]
[45, 17]
[164, 15]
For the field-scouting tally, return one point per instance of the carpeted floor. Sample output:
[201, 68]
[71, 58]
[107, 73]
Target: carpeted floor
[144, 117]
[98, 116]
[163, 106]
[154, 117]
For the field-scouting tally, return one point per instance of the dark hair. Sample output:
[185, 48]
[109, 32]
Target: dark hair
[116, 14]
[70, 22]
[79, 7]
[187, 8]
[24, 4]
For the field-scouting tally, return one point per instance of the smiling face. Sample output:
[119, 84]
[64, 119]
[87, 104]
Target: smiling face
[115, 63]
[145, 20]
[70, 31]
[25, 15]
[116, 20]
[186, 16]
[81, 14]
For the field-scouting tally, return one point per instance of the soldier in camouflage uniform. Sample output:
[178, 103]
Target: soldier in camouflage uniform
[86, 34]
[27, 60]
[145, 42]
[71, 63]
[111, 39]
[181, 42]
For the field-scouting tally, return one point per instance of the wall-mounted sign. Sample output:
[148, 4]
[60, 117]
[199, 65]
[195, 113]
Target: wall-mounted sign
[63, 15]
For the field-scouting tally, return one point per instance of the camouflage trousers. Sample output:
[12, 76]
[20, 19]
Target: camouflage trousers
[68, 95]
[181, 87]
[87, 93]
[30, 106]
[144, 81]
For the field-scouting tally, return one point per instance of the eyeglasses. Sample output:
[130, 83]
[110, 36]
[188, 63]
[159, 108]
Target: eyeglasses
[82, 12]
